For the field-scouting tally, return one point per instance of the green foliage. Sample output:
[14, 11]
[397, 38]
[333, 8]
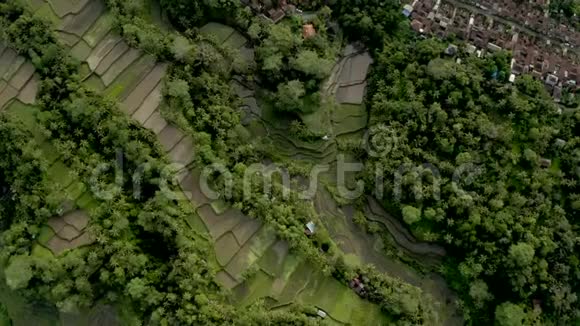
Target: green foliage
[400, 299]
[498, 207]
[139, 33]
[205, 101]
[309, 63]
[18, 272]
[198, 93]
[411, 214]
[479, 292]
[509, 314]
[22, 195]
[302, 132]
[289, 96]
[510, 223]
[566, 10]
[4, 317]
[370, 21]
[145, 248]
[283, 54]
[429, 49]
[522, 254]
[187, 14]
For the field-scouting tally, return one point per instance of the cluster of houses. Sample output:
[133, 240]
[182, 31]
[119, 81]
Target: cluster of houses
[273, 10]
[549, 54]
[533, 14]
[276, 10]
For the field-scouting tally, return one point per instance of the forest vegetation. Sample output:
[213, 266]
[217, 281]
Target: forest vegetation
[508, 220]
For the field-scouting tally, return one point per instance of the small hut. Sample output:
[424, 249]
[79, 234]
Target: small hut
[545, 163]
[358, 286]
[310, 228]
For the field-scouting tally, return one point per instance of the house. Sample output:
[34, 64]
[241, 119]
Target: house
[321, 313]
[451, 50]
[492, 47]
[417, 26]
[308, 31]
[407, 10]
[310, 228]
[551, 80]
[270, 10]
[470, 48]
[550, 52]
[557, 94]
[545, 163]
[560, 143]
[276, 15]
[358, 286]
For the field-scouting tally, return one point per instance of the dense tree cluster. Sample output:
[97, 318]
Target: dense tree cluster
[566, 9]
[404, 301]
[145, 251]
[187, 14]
[508, 222]
[22, 178]
[211, 119]
[369, 21]
[137, 31]
[4, 318]
[292, 62]
[486, 167]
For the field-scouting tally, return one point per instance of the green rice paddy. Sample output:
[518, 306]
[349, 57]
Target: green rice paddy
[46, 12]
[125, 82]
[99, 30]
[241, 243]
[219, 31]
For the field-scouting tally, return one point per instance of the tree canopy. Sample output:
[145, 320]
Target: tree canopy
[501, 193]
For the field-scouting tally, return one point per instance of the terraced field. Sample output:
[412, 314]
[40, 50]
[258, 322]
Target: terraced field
[111, 67]
[348, 86]
[17, 79]
[62, 233]
[341, 114]
[361, 247]
[19, 88]
[323, 150]
[255, 264]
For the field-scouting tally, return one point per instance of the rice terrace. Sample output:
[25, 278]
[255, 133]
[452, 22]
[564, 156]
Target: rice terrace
[253, 162]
